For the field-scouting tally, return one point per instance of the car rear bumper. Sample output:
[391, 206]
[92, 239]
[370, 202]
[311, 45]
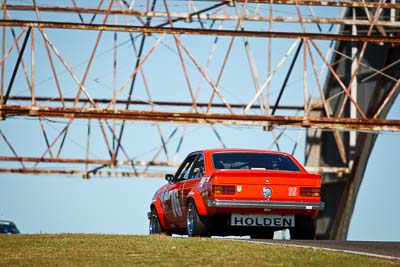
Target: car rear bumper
[262, 204]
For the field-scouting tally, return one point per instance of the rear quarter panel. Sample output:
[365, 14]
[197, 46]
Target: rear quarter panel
[156, 202]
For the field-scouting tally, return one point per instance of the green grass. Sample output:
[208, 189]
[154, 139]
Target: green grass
[117, 250]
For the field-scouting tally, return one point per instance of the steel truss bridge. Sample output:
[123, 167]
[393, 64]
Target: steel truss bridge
[122, 88]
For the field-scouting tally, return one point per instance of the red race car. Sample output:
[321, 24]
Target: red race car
[237, 192]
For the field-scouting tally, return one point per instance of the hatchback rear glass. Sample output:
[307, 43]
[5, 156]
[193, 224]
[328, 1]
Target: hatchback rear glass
[253, 161]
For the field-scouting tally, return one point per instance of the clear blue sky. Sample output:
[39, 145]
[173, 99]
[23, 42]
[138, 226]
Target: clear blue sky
[60, 204]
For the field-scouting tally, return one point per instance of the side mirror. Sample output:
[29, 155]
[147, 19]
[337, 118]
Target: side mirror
[170, 178]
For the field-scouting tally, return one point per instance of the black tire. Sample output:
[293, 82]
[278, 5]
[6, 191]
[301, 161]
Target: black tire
[262, 235]
[305, 229]
[194, 224]
[154, 225]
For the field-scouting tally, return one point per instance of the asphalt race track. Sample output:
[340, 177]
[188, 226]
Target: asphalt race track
[378, 249]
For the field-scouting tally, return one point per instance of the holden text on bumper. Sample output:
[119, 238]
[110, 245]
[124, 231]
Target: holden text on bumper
[215, 203]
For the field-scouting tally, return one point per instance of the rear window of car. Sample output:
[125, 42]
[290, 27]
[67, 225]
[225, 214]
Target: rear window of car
[253, 161]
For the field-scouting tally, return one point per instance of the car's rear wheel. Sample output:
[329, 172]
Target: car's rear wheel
[194, 224]
[305, 229]
[154, 226]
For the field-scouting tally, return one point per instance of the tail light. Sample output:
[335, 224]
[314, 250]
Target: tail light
[223, 189]
[310, 191]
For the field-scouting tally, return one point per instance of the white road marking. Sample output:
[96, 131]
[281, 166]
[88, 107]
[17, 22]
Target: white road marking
[327, 249]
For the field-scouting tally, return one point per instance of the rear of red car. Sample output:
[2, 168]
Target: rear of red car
[258, 193]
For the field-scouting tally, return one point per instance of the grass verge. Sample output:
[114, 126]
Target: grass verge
[116, 250]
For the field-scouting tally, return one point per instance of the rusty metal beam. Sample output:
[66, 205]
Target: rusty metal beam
[194, 31]
[353, 4]
[204, 118]
[212, 16]
[82, 173]
[321, 3]
[90, 161]
[149, 103]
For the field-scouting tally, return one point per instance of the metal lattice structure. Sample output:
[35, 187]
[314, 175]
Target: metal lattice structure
[119, 88]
